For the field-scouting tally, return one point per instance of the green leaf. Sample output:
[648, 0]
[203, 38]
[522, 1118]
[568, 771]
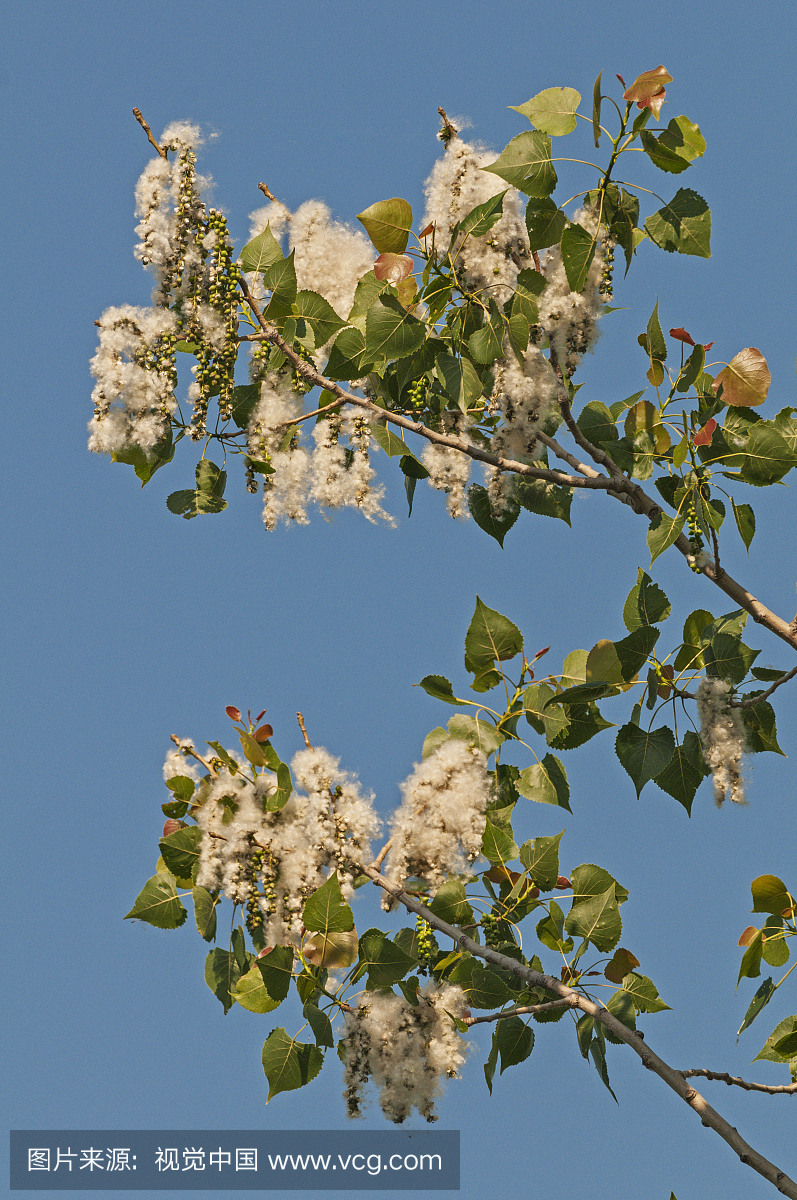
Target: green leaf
[412, 469]
[578, 251]
[786, 1029]
[590, 880]
[750, 966]
[768, 457]
[491, 638]
[491, 1063]
[180, 851]
[691, 653]
[205, 912]
[146, 463]
[280, 280]
[598, 1052]
[598, 424]
[644, 755]
[760, 1000]
[581, 693]
[544, 498]
[633, 651]
[759, 721]
[745, 522]
[518, 333]
[388, 224]
[486, 343]
[251, 993]
[459, 379]
[433, 741]
[391, 331]
[481, 219]
[663, 532]
[497, 524]
[525, 163]
[661, 155]
[728, 658]
[326, 911]
[387, 440]
[515, 1042]
[348, 358]
[450, 904]
[221, 975]
[646, 603]
[276, 970]
[484, 987]
[385, 961]
[597, 919]
[770, 895]
[551, 930]
[482, 734]
[643, 993]
[318, 314]
[656, 345]
[684, 772]
[540, 857]
[320, 1024]
[289, 1064]
[261, 253]
[546, 783]
[497, 846]
[542, 712]
[158, 905]
[584, 722]
[545, 222]
[553, 111]
[683, 225]
[181, 787]
[439, 687]
[596, 118]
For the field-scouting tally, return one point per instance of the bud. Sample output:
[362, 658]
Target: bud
[563, 884]
[233, 713]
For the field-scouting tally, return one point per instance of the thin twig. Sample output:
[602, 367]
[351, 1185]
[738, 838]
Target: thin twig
[306, 416]
[757, 699]
[518, 1012]
[576, 1000]
[450, 130]
[300, 719]
[382, 855]
[148, 132]
[719, 570]
[267, 193]
[190, 750]
[784, 1089]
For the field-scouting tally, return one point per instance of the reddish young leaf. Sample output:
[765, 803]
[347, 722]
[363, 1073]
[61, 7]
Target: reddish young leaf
[233, 713]
[663, 690]
[648, 89]
[540, 653]
[425, 232]
[263, 733]
[260, 715]
[171, 826]
[562, 884]
[395, 268]
[748, 935]
[746, 379]
[681, 335]
[703, 436]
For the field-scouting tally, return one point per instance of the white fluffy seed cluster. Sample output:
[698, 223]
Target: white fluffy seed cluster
[437, 830]
[525, 396]
[134, 393]
[449, 469]
[272, 861]
[456, 185]
[333, 471]
[330, 257]
[407, 1050]
[570, 319]
[724, 739]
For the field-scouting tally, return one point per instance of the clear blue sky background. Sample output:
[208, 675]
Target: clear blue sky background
[123, 623]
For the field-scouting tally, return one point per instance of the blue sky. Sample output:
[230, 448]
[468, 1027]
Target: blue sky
[124, 624]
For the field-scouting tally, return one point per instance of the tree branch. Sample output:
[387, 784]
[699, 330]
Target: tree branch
[148, 132]
[619, 486]
[757, 699]
[518, 1012]
[786, 1089]
[574, 999]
